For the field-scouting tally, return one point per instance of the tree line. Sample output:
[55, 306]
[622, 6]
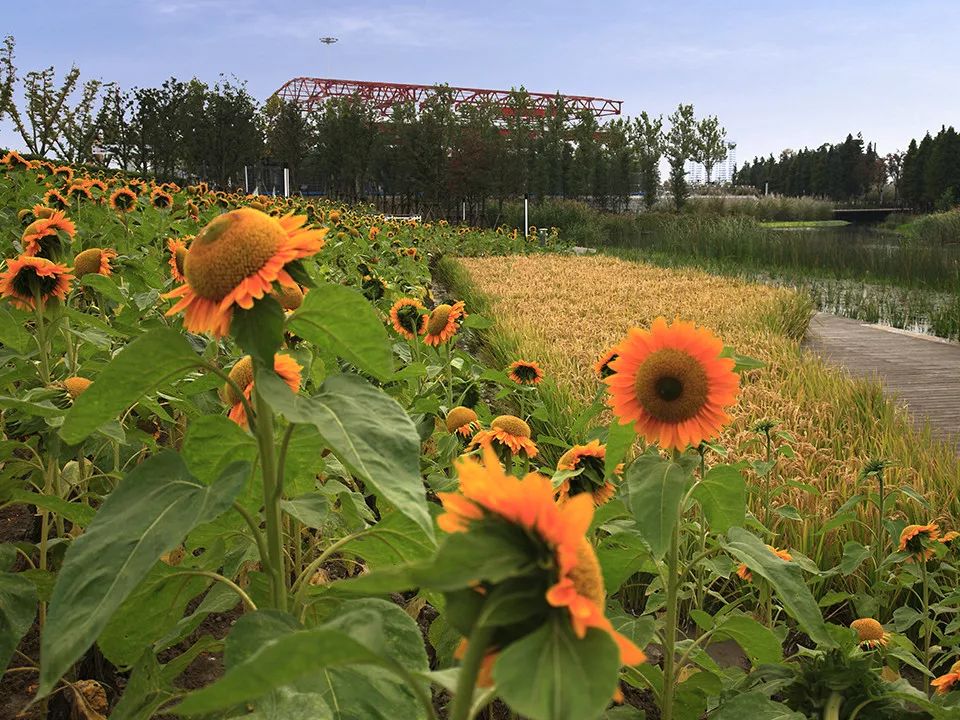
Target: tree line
[925, 177]
[424, 159]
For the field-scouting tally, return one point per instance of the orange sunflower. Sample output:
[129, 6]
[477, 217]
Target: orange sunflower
[42, 237]
[672, 384]
[917, 539]
[949, 538]
[123, 200]
[601, 367]
[590, 459]
[28, 277]
[76, 385]
[442, 323]
[408, 318]
[78, 191]
[870, 633]
[948, 680]
[178, 253]
[242, 374]
[524, 372]
[507, 432]
[93, 261]
[744, 573]
[160, 199]
[234, 261]
[575, 582]
[52, 198]
[462, 421]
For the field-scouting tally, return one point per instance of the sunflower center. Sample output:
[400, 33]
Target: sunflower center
[229, 249]
[512, 425]
[242, 375]
[525, 372]
[28, 280]
[180, 258]
[586, 575]
[868, 629]
[671, 385]
[438, 319]
[459, 416]
[87, 262]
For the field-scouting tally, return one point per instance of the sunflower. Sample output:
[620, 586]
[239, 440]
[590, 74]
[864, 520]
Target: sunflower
[589, 459]
[76, 385]
[571, 571]
[290, 298]
[745, 573]
[28, 277]
[949, 538]
[178, 253]
[160, 199]
[44, 237]
[242, 374]
[672, 383]
[442, 323]
[374, 231]
[13, 159]
[947, 681]
[507, 433]
[870, 633]
[26, 216]
[64, 172]
[52, 198]
[79, 191]
[373, 288]
[408, 318]
[411, 252]
[917, 539]
[123, 200]
[601, 367]
[334, 216]
[93, 261]
[462, 421]
[234, 261]
[524, 372]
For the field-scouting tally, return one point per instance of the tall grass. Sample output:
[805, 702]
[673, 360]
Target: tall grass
[766, 207]
[936, 229]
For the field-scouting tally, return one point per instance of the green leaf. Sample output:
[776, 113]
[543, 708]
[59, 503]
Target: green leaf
[212, 442]
[74, 512]
[491, 552]
[147, 363]
[259, 330]
[18, 608]
[853, 555]
[656, 486]
[786, 579]
[552, 675]
[149, 513]
[287, 704]
[12, 332]
[619, 441]
[757, 641]
[103, 285]
[368, 431]
[341, 319]
[722, 495]
[393, 541]
[269, 652]
[755, 706]
[312, 509]
[621, 555]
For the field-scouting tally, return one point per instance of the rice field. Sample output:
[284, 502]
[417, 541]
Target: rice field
[565, 311]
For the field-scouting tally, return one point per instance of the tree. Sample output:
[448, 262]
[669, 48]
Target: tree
[288, 134]
[894, 170]
[647, 141]
[710, 146]
[679, 145]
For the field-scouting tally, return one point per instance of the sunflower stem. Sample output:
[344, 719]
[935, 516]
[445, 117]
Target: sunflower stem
[41, 338]
[927, 623]
[449, 370]
[670, 625]
[469, 671]
[880, 537]
[272, 492]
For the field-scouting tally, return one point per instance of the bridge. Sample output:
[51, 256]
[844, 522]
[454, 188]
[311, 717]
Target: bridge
[309, 93]
[864, 215]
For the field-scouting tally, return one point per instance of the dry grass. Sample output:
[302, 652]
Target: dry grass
[566, 310]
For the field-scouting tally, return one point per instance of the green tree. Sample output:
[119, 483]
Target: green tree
[288, 134]
[647, 139]
[710, 145]
[679, 146]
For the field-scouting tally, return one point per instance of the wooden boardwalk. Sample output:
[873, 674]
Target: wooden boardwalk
[920, 372]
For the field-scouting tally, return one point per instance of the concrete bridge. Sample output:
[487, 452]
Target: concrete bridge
[863, 215]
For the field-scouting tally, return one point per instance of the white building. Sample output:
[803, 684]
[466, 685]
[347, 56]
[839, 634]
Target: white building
[722, 171]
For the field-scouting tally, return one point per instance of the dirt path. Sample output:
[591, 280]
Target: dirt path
[921, 372]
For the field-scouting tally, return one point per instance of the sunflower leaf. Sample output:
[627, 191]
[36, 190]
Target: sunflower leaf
[259, 330]
[655, 488]
[340, 319]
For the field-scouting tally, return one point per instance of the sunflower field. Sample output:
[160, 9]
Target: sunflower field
[276, 458]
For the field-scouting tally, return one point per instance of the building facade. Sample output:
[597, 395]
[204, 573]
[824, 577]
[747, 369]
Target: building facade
[722, 171]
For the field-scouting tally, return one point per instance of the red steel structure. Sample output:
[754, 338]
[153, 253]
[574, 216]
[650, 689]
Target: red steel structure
[382, 96]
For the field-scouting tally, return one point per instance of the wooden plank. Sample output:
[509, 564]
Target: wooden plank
[922, 373]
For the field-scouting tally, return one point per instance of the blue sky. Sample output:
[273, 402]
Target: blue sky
[778, 75]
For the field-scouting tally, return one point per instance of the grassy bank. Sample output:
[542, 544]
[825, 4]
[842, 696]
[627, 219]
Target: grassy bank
[564, 311]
